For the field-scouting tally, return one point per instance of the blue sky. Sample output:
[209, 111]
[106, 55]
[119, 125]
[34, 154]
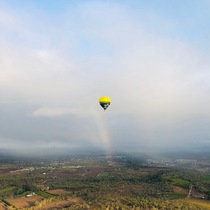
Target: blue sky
[59, 57]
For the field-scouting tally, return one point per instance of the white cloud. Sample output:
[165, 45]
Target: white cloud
[61, 111]
[157, 81]
[52, 112]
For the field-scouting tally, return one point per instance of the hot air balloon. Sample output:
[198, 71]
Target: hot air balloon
[104, 101]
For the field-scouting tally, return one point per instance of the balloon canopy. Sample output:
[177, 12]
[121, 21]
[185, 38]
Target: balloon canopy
[105, 101]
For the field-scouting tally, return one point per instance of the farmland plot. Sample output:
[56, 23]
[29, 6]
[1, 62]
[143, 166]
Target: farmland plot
[58, 192]
[25, 202]
[2, 207]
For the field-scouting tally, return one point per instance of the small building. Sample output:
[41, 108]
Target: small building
[30, 195]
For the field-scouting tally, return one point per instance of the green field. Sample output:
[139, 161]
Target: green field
[7, 190]
[103, 175]
[206, 178]
[178, 181]
[44, 194]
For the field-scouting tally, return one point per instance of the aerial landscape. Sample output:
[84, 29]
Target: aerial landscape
[104, 104]
[97, 181]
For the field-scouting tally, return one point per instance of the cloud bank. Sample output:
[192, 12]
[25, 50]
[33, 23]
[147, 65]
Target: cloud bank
[55, 64]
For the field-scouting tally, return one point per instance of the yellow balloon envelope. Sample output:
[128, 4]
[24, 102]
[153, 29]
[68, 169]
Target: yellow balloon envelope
[105, 101]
